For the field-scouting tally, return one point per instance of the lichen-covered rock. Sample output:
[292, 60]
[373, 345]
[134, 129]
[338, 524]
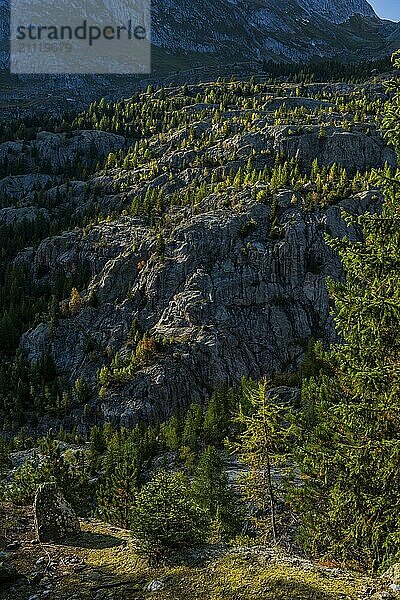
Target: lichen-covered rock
[55, 519]
[392, 575]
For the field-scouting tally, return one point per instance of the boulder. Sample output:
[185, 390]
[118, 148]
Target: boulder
[155, 586]
[55, 519]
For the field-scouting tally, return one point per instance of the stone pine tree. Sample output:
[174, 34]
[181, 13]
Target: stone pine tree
[120, 468]
[217, 417]
[117, 493]
[350, 454]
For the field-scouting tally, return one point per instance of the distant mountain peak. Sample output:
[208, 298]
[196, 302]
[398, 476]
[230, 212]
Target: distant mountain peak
[338, 11]
[221, 32]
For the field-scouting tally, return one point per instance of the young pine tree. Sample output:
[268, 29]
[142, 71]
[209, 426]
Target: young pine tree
[119, 485]
[212, 491]
[217, 417]
[262, 445]
[117, 493]
[193, 426]
[166, 516]
[75, 302]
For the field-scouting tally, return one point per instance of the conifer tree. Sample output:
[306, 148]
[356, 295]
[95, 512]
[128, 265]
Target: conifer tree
[121, 466]
[75, 302]
[116, 495]
[217, 417]
[266, 428]
[193, 426]
[166, 517]
[171, 433]
[213, 492]
[350, 455]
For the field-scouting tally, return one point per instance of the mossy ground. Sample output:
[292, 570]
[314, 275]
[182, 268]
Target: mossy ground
[220, 575]
[104, 564]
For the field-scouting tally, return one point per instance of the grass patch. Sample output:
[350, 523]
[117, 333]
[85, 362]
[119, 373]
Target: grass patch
[235, 577]
[227, 575]
[103, 563]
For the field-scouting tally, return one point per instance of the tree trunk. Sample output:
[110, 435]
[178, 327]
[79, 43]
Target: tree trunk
[271, 499]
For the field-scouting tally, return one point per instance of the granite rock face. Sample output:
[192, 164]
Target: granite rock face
[55, 519]
[226, 281]
[56, 152]
[29, 214]
[359, 149]
[229, 297]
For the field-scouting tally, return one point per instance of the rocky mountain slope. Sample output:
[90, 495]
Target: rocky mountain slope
[338, 11]
[207, 260]
[296, 30]
[227, 300]
[245, 29]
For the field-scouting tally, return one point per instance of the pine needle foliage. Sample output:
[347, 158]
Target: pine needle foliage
[166, 517]
[350, 453]
[262, 446]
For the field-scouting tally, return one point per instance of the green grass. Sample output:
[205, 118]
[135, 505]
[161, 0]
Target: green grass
[236, 574]
[103, 563]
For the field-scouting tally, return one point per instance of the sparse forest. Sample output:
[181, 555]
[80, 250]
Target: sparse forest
[303, 458]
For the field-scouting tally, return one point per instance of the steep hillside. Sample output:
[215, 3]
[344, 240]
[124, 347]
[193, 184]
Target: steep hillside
[338, 11]
[200, 254]
[246, 30]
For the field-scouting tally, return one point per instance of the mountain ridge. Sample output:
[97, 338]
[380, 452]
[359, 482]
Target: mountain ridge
[247, 30]
[192, 38]
[338, 11]
[299, 30]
